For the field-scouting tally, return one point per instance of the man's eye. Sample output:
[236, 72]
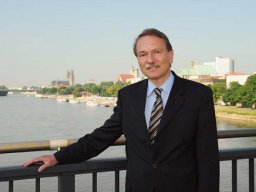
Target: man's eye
[142, 55]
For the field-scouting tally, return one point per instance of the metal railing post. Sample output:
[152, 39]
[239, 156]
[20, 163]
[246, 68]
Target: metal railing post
[94, 182]
[37, 184]
[10, 186]
[251, 175]
[234, 175]
[117, 181]
[66, 183]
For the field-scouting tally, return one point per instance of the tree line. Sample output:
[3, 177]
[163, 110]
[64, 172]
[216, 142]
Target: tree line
[234, 94]
[104, 89]
[2, 87]
[245, 95]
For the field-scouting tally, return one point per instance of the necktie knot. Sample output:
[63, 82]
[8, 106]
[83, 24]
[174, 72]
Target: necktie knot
[158, 91]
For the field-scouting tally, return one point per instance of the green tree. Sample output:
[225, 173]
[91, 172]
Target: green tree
[77, 91]
[112, 91]
[248, 97]
[65, 90]
[218, 90]
[48, 91]
[104, 86]
[2, 87]
[233, 93]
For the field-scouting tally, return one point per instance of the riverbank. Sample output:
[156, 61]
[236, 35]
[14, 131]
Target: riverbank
[97, 100]
[226, 112]
[236, 113]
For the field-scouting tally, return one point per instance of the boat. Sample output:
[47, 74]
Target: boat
[3, 92]
[62, 100]
[92, 103]
[74, 101]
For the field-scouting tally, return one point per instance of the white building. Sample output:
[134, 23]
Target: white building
[236, 77]
[223, 65]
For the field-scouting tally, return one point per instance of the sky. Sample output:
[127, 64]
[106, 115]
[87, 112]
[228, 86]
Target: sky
[41, 40]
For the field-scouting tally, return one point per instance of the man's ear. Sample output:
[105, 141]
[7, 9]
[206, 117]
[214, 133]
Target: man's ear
[171, 54]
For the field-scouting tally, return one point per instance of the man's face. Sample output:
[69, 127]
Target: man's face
[154, 58]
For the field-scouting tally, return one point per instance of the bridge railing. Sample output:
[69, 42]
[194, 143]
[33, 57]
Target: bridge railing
[66, 173]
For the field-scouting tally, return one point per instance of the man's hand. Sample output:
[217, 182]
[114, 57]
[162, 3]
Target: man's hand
[47, 160]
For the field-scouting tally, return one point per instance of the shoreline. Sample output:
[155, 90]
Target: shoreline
[104, 101]
[224, 112]
[235, 113]
[235, 116]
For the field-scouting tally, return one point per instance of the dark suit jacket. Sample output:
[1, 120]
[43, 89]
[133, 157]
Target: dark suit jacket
[185, 154]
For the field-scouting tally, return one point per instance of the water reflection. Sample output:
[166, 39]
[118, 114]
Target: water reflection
[225, 124]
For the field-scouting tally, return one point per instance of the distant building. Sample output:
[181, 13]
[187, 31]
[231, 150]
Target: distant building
[198, 70]
[224, 65]
[205, 74]
[59, 83]
[70, 77]
[209, 72]
[125, 77]
[236, 77]
[70, 80]
[133, 77]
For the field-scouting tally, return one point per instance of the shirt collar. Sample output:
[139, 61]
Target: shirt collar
[166, 86]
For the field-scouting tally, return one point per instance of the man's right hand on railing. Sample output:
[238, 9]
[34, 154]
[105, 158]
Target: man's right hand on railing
[46, 160]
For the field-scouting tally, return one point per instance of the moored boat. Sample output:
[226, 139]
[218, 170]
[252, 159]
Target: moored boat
[3, 92]
[62, 100]
[92, 103]
[74, 101]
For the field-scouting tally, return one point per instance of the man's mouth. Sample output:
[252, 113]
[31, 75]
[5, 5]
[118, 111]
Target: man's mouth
[151, 66]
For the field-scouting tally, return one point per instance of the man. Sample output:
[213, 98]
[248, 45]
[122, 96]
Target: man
[169, 124]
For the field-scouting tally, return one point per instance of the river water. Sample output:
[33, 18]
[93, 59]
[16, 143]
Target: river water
[29, 119]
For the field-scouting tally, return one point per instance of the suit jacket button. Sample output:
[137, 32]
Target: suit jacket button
[154, 165]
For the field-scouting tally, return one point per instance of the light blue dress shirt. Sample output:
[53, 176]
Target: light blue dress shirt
[151, 97]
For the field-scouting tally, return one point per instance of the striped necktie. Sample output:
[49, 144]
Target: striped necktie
[156, 114]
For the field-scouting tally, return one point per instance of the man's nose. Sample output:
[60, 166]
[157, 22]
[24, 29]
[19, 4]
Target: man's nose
[150, 58]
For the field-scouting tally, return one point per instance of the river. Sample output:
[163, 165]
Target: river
[29, 119]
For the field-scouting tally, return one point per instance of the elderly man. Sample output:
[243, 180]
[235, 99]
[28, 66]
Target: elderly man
[169, 124]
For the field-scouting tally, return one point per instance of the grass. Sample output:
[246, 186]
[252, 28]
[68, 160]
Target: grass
[235, 110]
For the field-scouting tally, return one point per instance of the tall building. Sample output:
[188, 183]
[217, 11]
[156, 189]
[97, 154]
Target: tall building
[135, 72]
[67, 75]
[70, 77]
[70, 80]
[225, 65]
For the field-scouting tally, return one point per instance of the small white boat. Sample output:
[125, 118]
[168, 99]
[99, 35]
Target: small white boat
[62, 100]
[92, 103]
[74, 101]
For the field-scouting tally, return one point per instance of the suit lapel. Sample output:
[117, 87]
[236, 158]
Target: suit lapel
[140, 102]
[174, 102]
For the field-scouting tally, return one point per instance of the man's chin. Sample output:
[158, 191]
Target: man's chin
[153, 77]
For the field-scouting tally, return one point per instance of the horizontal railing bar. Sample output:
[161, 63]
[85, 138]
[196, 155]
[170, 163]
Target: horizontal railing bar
[56, 144]
[237, 153]
[43, 145]
[101, 165]
[90, 166]
[222, 134]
